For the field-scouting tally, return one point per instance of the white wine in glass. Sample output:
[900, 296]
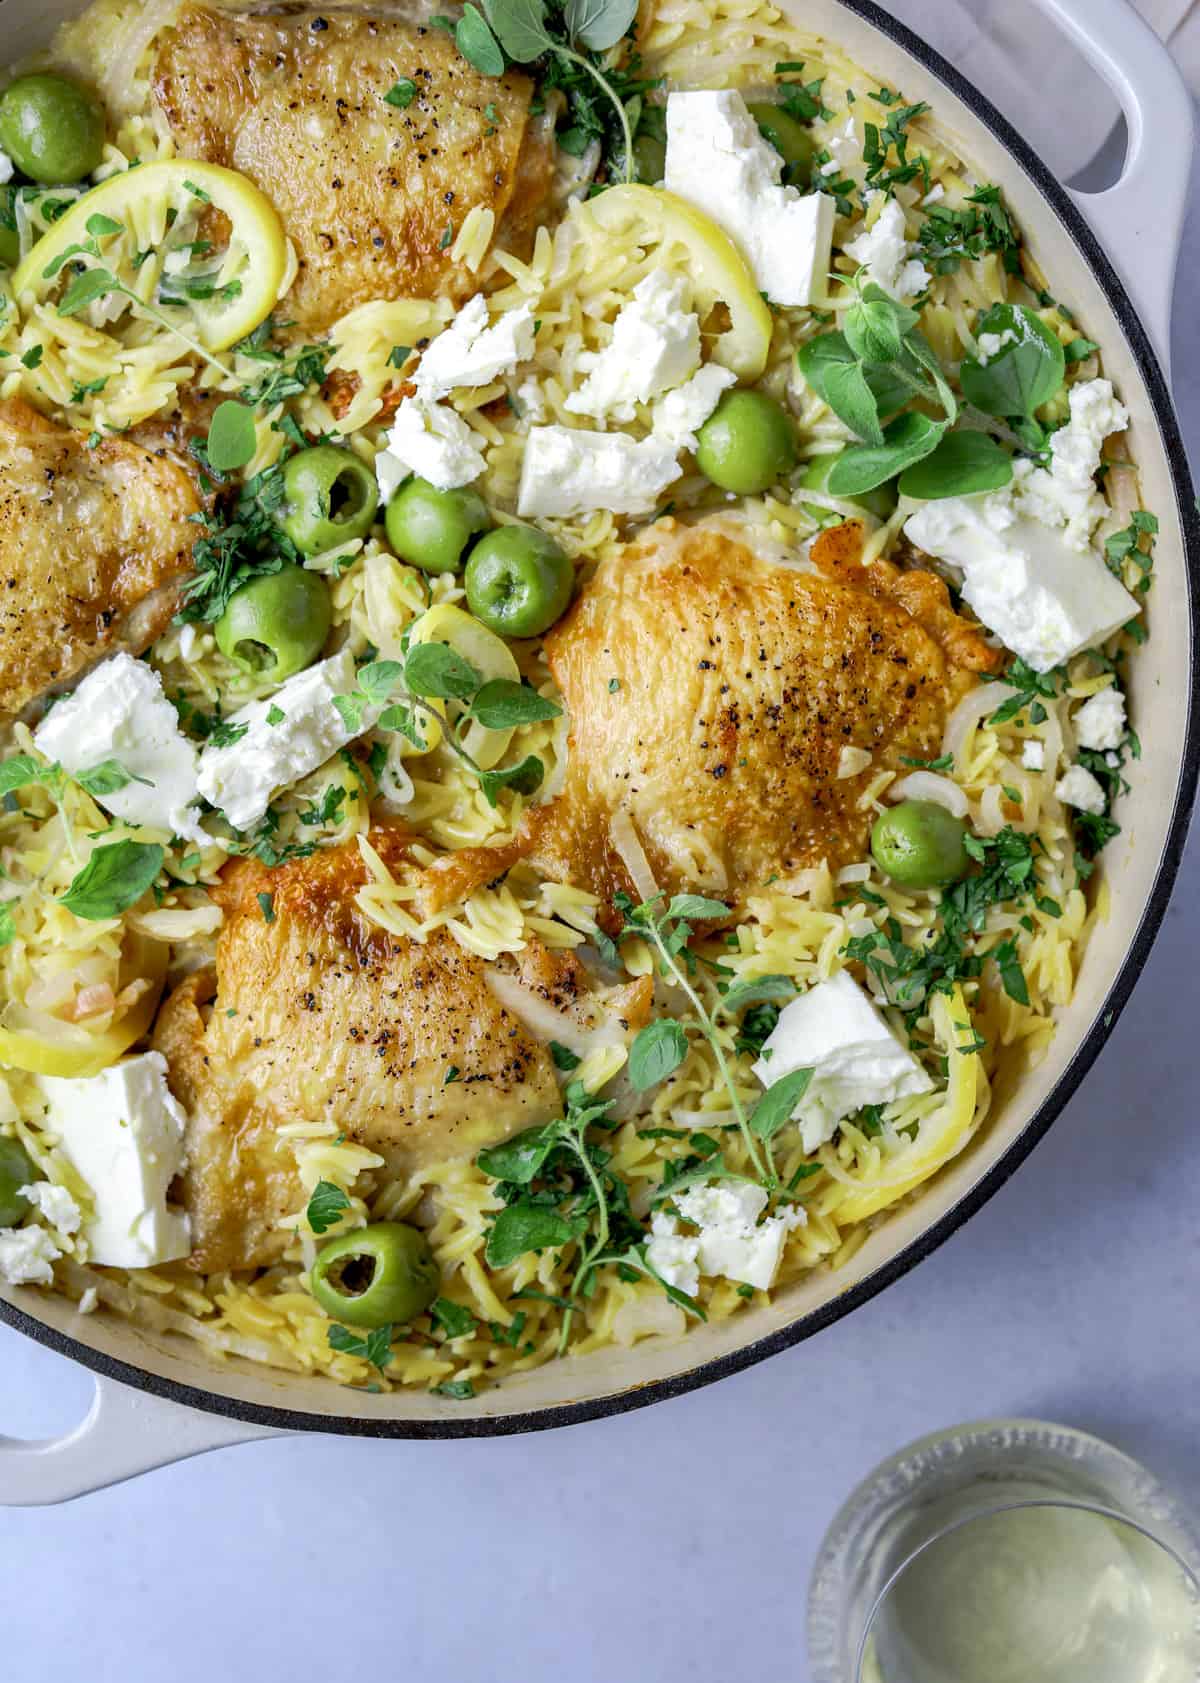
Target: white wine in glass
[1008, 1552]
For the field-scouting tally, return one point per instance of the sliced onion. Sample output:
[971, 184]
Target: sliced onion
[929, 786]
[985, 699]
[648, 1317]
[544, 1021]
[117, 75]
[853, 873]
[990, 819]
[628, 844]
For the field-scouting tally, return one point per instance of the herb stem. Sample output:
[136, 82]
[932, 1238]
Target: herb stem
[606, 86]
[708, 1029]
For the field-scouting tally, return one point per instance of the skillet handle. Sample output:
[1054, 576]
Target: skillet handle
[1139, 221]
[124, 1433]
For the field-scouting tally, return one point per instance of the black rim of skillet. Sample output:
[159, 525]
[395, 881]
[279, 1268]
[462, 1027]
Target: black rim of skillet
[575, 1413]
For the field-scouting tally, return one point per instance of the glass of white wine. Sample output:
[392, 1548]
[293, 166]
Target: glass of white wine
[1011, 1551]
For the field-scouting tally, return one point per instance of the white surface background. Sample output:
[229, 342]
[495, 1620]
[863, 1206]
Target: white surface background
[675, 1542]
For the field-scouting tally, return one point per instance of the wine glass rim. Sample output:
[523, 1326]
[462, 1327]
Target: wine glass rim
[948, 1530]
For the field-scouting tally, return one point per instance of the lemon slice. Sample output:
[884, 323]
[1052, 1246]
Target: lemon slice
[943, 1134]
[44, 1045]
[199, 244]
[718, 271]
[487, 653]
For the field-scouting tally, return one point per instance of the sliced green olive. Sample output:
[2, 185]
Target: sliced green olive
[919, 844]
[377, 1275]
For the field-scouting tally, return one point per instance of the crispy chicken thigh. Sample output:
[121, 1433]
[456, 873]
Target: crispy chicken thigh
[371, 194]
[713, 694]
[93, 543]
[320, 1015]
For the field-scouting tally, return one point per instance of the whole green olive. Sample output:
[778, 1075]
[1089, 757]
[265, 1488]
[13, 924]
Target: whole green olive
[519, 581]
[16, 1171]
[919, 844]
[880, 502]
[376, 1275]
[10, 240]
[649, 159]
[747, 443]
[794, 143]
[331, 498]
[275, 625]
[51, 129]
[432, 528]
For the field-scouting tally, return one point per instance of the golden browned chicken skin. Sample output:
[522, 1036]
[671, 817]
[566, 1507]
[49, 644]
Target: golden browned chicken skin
[711, 694]
[320, 1015]
[370, 194]
[93, 542]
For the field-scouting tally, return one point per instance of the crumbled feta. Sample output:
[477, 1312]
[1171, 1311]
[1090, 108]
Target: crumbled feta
[845, 153]
[124, 1132]
[1033, 755]
[432, 441]
[679, 415]
[733, 1241]
[1077, 787]
[886, 254]
[470, 353]
[27, 1255]
[675, 1258]
[55, 1203]
[655, 346]
[242, 778]
[836, 1031]
[531, 401]
[1028, 568]
[6, 168]
[1100, 722]
[1065, 494]
[991, 344]
[569, 471]
[718, 161]
[119, 712]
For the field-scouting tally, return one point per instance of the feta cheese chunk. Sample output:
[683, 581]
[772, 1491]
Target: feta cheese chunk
[679, 415]
[470, 353]
[1033, 755]
[732, 1242]
[886, 254]
[675, 1258]
[836, 1031]
[119, 712]
[124, 1131]
[27, 1256]
[655, 346]
[433, 442]
[1078, 788]
[569, 471]
[1045, 600]
[242, 778]
[55, 1203]
[719, 162]
[991, 344]
[1100, 722]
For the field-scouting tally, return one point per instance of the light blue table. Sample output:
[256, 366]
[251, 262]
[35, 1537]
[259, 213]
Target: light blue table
[675, 1542]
